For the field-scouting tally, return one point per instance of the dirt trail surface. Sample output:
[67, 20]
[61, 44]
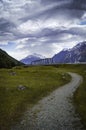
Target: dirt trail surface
[54, 112]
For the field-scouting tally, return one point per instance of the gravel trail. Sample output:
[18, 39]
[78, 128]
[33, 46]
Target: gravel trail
[54, 112]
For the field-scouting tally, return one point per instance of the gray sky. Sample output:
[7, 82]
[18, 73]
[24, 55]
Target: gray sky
[41, 26]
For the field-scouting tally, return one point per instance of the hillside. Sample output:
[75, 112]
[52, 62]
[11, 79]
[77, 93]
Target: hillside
[60, 57]
[7, 61]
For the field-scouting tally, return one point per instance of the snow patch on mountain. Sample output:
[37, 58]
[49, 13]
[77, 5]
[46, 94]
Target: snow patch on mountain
[30, 58]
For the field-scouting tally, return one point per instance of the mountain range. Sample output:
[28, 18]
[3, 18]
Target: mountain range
[28, 60]
[7, 61]
[77, 54]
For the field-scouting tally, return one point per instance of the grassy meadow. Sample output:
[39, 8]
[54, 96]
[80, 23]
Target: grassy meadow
[38, 82]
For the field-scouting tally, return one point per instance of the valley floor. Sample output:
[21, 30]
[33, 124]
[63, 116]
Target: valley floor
[55, 111]
[22, 87]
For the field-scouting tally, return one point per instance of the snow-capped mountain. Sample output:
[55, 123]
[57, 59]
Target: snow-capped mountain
[75, 55]
[28, 60]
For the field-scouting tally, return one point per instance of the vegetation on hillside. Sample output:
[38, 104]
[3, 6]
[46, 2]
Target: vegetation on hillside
[7, 61]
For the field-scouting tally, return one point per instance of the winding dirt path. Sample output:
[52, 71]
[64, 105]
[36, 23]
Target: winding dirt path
[54, 112]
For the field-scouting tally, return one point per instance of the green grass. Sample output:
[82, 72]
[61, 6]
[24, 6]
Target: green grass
[39, 82]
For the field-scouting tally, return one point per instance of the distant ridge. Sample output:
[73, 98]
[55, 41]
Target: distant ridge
[7, 61]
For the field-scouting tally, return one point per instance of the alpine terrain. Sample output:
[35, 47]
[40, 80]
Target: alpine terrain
[75, 55]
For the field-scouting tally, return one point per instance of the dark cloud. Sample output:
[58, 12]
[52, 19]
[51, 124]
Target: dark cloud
[68, 9]
[71, 4]
[55, 1]
[77, 31]
[1, 1]
[51, 9]
[78, 4]
[5, 25]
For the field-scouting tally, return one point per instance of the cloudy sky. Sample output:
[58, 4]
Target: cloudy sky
[41, 26]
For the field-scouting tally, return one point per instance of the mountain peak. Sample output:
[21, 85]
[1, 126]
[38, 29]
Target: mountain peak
[74, 55]
[79, 45]
[32, 57]
[38, 55]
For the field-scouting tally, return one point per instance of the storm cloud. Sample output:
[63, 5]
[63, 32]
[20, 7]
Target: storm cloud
[41, 26]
